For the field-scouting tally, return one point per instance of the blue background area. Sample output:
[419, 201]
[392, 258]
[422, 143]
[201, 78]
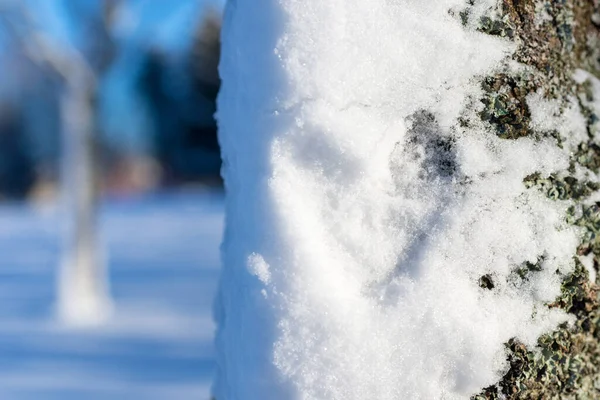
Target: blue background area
[165, 25]
[164, 264]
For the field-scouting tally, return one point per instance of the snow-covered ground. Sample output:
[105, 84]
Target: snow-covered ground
[164, 265]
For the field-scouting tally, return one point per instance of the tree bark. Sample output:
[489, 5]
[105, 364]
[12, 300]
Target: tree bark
[554, 40]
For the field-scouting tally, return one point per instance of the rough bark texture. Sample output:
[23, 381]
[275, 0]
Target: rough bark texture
[554, 38]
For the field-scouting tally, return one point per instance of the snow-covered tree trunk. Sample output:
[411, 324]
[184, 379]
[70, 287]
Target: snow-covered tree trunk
[83, 293]
[413, 207]
[83, 296]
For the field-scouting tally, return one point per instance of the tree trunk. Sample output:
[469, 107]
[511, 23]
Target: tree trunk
[412, 204]
[83, 285]
[558, 40]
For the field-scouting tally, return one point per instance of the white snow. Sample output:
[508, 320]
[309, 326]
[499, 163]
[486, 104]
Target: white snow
[351, 257]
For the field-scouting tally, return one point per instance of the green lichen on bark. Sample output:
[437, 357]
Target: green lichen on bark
[506, 106]
[588, 156]
[561, 188]
[565, 363]
[587, 217]
[522, 272]
[553, 39]
[497, 27]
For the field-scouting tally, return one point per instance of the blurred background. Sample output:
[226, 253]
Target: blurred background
[108, 158]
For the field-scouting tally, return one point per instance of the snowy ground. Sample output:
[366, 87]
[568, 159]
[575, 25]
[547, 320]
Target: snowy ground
[164, 262]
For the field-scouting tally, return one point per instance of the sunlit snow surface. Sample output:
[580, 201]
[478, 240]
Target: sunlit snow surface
[164, 261]
[361, 214]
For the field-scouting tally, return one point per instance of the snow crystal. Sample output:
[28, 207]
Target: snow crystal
[359, 222]
[259, 268]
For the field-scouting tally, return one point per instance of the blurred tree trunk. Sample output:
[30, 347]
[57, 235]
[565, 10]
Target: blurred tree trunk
[83, 286]
[83, 296]
[83, 293]
[554, 39]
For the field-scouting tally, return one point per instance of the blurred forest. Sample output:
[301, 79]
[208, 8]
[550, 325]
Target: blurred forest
[149, 71]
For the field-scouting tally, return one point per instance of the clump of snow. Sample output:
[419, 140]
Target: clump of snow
[542, 15]
[359, 222]
[588, 263]
[565, 117]
[259, 268]
[476, 10]
[582, 76]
